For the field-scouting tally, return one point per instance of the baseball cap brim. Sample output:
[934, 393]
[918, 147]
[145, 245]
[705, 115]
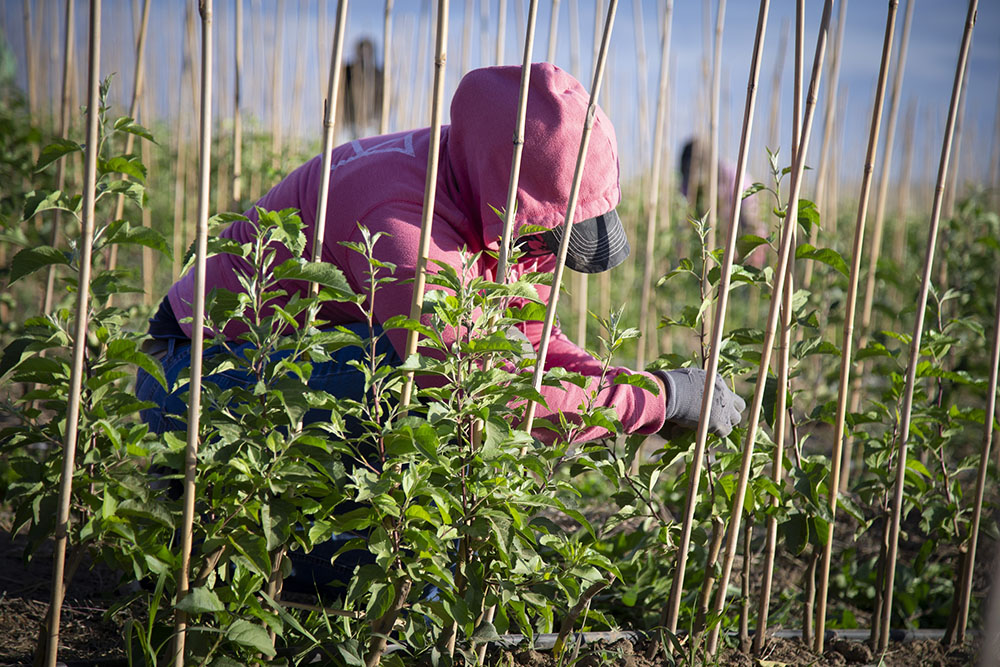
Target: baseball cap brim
[595, 244]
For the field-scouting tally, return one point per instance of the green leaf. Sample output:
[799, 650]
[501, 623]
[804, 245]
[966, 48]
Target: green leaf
[200, 601]
[30, 260]
[56, 150]
[637, 380]
[486, 632]
[126, 124]
[747, 243]
[36, 202]
[327, 275]
[144, 236]
[252, 636]
[827, 256]
[12, 354]
[122, 164]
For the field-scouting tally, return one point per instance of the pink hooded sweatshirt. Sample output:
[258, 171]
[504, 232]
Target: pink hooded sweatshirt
[378, 182]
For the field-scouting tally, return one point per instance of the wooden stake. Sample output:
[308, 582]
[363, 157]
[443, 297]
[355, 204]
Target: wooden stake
[197, 326]
[694, 474]
[501, 26]
[646, 328]
[420, 271]
[79, 337]
[383, 122]
[911, 370]
[553, 32]
[64, 121]
[277, 62]
[581, 159]
[133, 112]
[773, 128]
[847, 341]
[713, 131]
[736, 516]
[515, 165]
[904, 187]
[329, 120]
[877, 232]
[829, 120]
[781, 416]
[237, 116]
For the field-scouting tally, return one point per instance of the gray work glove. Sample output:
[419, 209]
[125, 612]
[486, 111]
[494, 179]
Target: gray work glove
[685, 387]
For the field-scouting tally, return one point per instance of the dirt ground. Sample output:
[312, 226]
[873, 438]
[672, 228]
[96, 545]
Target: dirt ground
[90, 636]
[777, 653]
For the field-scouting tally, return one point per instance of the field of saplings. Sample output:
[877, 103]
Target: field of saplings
[849, 518]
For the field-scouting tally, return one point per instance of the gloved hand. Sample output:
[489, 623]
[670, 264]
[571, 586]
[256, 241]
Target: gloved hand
[685, 387]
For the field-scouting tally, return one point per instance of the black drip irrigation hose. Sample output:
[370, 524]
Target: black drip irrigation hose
[545, 642]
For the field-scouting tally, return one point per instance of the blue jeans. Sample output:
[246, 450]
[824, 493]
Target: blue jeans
[313, 571]
[336, 377]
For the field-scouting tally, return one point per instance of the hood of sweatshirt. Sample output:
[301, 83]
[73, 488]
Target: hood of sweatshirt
[480, 149]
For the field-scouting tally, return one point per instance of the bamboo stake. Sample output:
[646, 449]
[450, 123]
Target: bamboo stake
[553, 32]
[574, 39]
[641, 72]
[64, 121]
[965, 594]
[694, 474]
[276, 64]
[652, 208]
[329, 120]
[903, 196]
[501, 28]
[463, 63]
[582, 280]
[951, 189]
[829, 116]
[989, 653]
[784, 347]
[581, 159]
[237, 116]
[911, 369]
[994, 181]
[148, 270]
[713, 129]
[772, 322]
[133, 111]
[29, 59]
[515, 165]
[297, 80]
[197, 326]
[773, 128]
[420, 271]
[383, 122]
[846, 350]
[877, 232]
[79, 337]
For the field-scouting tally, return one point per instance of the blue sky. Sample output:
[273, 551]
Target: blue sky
[937, 29]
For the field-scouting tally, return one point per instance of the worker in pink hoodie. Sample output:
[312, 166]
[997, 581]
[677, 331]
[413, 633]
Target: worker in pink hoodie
[378, 182]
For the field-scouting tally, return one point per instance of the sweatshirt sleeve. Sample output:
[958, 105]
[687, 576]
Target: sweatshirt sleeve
[639, 411]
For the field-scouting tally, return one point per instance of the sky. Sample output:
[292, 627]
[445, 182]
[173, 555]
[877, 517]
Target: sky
[299, 35]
